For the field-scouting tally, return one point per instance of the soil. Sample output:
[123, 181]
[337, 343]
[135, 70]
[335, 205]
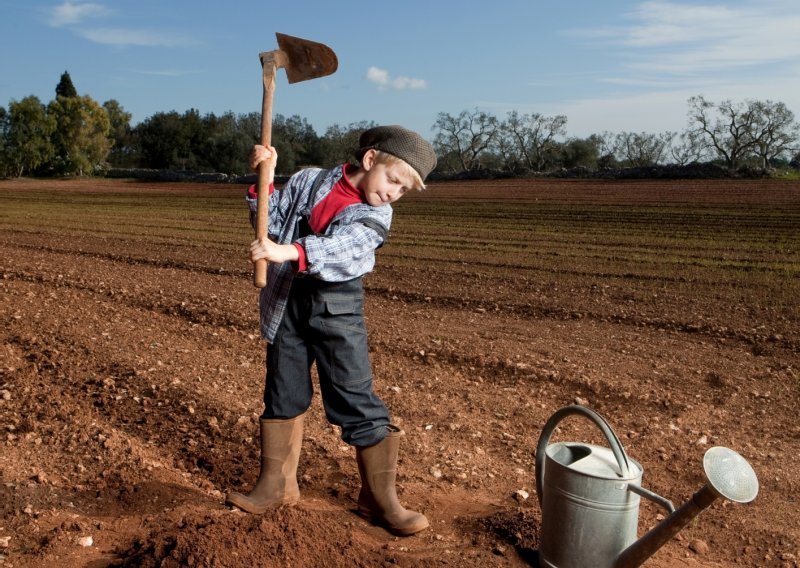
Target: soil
[130, 388]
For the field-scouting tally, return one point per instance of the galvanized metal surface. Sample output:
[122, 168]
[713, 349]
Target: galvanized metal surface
[590, 496]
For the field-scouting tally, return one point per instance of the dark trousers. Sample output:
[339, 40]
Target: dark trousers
[324, 323]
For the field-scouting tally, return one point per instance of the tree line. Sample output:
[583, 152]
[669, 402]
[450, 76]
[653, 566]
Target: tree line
[75, 135]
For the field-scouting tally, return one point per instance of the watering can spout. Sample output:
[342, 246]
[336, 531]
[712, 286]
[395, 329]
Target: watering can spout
[728, 475]
[645, 547]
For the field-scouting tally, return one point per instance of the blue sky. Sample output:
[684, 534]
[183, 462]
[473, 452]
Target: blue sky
[606, 64]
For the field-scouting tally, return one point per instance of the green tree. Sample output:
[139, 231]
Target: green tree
[341, 142]
[195, 128]
[226, 146]
[122, 150]
[65, 88]
[26, 130]
[80, 140]
[5, 126]
[580, 152]
[297, 143]
[164, 141]
[192, 142]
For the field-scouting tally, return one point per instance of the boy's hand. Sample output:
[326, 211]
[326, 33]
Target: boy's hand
[272, 252]
[263, 153]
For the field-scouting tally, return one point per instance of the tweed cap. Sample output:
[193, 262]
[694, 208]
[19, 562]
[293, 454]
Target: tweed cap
[401, 142]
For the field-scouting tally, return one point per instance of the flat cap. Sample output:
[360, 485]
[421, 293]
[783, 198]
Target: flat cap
[401, 142]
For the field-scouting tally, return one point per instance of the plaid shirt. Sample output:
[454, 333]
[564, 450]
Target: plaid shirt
[346, 249]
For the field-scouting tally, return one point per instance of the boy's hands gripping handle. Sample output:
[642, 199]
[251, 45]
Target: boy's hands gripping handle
[302, 59]
[270, 61]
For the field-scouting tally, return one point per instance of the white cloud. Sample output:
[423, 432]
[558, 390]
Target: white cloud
[670, 50]
[689, 39]
[121, 37]
[73, 15]
[384, 81]
[70, 13]
[668, 23]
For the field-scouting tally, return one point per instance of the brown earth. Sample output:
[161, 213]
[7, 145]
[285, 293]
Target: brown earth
[131, 374]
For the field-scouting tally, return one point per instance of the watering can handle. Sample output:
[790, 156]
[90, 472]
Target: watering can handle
[550, 426]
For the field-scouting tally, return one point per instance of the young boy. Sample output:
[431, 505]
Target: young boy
[324, 227]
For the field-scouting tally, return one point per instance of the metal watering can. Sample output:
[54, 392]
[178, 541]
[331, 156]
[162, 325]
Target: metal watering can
[589, 496]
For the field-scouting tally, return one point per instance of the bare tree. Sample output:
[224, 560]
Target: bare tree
[505, 151]
[761, 129]
[687, 147]
[466, 138]
[606, 153]
[728, 132]
[639, 149]
[533, 137]
[775, 131]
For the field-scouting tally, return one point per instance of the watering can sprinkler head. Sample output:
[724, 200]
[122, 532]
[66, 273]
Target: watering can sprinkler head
[729, 475]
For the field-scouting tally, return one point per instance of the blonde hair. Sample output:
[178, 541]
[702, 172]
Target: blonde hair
[408, 172]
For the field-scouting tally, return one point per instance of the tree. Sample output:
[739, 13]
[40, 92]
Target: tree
[729, 134]
[463, 141]
[65, 88]
[228, 140]
[758, 129]
[26, 130]
[165, 140]
[160, 139]
[641, 149]
[687, 148]
[5, 127]
[122, 150]
[340, 143]
[580, 152]
[775, 131]
[606, 152]
[531, 138]
[80, 140]
[196, 132]
[300, 143]
[211, 141]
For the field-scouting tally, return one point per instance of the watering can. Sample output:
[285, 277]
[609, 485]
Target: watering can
[589, 496]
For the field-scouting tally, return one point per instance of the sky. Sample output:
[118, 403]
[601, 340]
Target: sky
[608, 65]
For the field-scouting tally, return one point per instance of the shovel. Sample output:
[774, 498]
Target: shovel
[302, 59]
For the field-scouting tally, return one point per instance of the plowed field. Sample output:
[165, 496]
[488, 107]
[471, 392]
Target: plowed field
[131, 370]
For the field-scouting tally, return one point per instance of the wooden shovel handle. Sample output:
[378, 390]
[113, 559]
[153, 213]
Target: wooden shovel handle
[270, 62]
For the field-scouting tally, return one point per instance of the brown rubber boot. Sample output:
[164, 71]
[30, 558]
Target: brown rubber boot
[277, 482]
[377, 500]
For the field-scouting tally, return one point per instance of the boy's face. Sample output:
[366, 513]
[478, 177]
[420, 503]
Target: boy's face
[382, 183]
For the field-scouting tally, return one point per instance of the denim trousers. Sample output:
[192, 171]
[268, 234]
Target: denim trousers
[324, 324]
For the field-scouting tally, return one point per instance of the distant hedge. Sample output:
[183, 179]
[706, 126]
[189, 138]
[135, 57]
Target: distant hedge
[670, 171]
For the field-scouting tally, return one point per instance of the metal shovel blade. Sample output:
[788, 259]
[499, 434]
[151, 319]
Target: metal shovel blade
[307, 59]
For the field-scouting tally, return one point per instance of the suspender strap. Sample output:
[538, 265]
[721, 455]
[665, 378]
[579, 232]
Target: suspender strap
[315, 188]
